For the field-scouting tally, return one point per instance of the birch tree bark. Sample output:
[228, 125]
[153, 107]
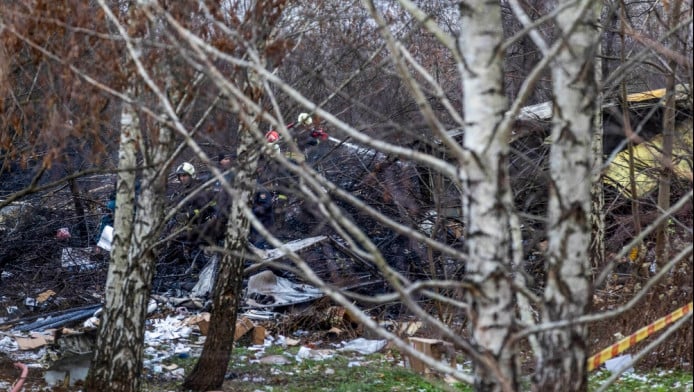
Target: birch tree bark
[568, 291]
[118, 356]
[597, 215]
[210, 369]
[486, 191]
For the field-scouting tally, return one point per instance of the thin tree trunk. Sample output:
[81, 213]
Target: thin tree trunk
[138, 220]
[486, 193]
[210, 369]
[115, 358]
[629, 133]
[661, 241]
[597, 214]
[568, 291]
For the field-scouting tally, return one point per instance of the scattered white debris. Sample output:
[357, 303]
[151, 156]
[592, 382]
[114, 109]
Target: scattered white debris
[617, 363]
[265, 289]
[314, 354]
[106, 238]
[8, 344]
[169, 328]
[363, 346]
[77, 258]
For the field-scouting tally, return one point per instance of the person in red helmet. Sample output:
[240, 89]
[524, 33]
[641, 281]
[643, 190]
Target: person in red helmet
[305, 135]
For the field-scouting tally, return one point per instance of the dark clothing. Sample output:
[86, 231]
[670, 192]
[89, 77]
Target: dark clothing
[198, 208]
[264, 211]
[262, 206]
[195, 212]
[306, 139]
[191, 222]
[107, 218]
[229, 176]
[215, 227]
[224, 161]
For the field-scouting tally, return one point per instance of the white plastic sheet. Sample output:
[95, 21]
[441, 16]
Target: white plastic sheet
[364, 346]
[106, 238]
[617, 363]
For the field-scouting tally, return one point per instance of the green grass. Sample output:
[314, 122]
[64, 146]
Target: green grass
[342, 373]
[664, 381]
[377, 373]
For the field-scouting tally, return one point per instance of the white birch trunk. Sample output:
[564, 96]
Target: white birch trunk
[568, 286]
[114, 356]
[120, 348]
[138, 220]
[597, 244]
[486, 193]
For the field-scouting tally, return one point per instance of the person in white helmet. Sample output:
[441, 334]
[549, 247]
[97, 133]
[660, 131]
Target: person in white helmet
[200, 206]
[190, 223]
[307, 136]
[185, 173]
[304, 133]
[194, 213]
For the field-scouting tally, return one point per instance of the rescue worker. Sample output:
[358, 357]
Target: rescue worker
[305, 136]
[195, 212]
[263, 210]
[107, 218]
[215, 227]
[225, 160]
[202, 205]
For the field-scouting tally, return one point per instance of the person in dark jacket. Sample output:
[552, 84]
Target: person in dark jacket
[263, 210]
[199, 207]
[108, 215]
[225, 160]
[194, 214]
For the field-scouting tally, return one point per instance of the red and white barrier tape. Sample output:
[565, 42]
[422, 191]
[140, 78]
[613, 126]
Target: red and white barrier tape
[599, 358]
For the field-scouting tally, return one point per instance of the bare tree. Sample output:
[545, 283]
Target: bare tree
[568, 286]
[666, 177]
[414, 97]
[119, 351]
[487, 196]
[246, 95]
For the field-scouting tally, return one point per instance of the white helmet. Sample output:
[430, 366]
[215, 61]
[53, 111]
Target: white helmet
[186, 168]
[305, 119]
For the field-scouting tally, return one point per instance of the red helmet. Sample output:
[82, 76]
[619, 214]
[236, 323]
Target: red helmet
[319, 134]
[272, 136]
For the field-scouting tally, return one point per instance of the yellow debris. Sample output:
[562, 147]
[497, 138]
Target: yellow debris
[646, 95]
[648, 162]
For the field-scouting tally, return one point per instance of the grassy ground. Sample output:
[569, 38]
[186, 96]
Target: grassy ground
[381, 372]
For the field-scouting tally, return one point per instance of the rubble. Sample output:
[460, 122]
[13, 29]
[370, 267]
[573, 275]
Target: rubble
[64, 355]
[177, 326]
[267, 290]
